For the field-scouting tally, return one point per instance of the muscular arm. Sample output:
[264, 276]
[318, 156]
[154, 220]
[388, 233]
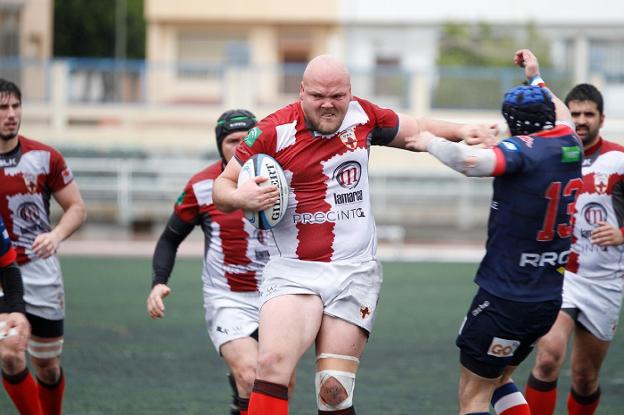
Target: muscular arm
[166, 249]
[74, 215]
[527, 60]
[472, 134]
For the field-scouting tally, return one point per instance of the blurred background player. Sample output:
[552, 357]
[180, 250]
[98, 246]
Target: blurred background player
[324, 285]
[538, 175]
[14, 332]
[592, 287]
[234, 256]
[31, 173]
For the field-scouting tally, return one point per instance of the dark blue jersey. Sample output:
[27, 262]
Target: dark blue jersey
[7, 254]
[529, 232]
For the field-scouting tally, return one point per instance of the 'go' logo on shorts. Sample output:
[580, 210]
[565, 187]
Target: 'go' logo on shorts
[502, 347]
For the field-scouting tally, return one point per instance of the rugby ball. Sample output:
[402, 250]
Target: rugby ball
[266, 166]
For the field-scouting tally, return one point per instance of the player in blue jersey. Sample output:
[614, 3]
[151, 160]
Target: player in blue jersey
[14, 331]
[537, 177]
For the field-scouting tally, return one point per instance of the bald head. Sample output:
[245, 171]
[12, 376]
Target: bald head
[326, 69]
[325, 93]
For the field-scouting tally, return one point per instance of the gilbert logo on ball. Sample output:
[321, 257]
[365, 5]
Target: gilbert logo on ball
[266, 166]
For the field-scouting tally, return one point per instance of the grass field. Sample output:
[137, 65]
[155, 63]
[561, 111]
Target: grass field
[118, 361]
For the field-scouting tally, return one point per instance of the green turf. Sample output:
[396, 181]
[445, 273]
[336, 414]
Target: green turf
[118, 361]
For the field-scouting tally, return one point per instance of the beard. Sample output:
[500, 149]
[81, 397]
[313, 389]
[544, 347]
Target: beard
[328, 126]
[8, 137]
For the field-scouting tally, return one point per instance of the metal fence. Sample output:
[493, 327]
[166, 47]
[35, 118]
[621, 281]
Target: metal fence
[138, 195]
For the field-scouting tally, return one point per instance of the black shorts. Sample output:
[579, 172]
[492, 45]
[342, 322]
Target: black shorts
[497, 333]
[42, 327]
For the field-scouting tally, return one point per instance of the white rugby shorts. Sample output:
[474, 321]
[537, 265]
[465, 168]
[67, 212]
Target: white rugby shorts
[230, 315]
[598, 300]
[44, 293]
[349, 290]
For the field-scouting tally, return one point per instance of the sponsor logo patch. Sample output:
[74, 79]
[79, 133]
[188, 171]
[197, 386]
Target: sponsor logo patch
[348, 174]
[309, 218]
[252, 136]
[570, 154]
[593, 213]
[502, 347]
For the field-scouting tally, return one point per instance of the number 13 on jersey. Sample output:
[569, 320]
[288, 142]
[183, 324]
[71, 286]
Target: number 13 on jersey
[553, 194]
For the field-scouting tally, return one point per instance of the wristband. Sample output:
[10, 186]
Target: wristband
[537, 81]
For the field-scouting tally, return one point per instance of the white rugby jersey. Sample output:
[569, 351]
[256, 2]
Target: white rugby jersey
[601, 199]
[29, 176]
[234, 252]
[329, 216]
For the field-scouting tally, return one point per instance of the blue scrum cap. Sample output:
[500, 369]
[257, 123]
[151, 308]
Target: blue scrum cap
[528, 109]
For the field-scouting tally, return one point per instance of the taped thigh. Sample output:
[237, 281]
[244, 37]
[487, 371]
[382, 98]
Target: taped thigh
[45, 350]
[342, 368]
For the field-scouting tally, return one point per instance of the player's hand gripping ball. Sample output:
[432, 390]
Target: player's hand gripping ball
[266, 166]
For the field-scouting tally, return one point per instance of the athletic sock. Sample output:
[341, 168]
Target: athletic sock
[51, 395]
[243, 405]
[22, 390]
[235, 405]
[268, 399]
[508, 400]
[583, 405]
[541, 396]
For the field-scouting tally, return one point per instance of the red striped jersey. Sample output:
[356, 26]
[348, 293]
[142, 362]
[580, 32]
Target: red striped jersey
[601, 199]
[30, 174]
[235, 252]
[329, 216]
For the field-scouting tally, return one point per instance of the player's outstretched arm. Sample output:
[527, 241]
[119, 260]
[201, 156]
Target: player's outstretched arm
[227, 197]
[468, 160]
[524, 58]
[471, 134]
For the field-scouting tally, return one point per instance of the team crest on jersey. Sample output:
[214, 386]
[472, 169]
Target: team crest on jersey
[30, 180]
[601, 183]
[348, 138]
[364, 312]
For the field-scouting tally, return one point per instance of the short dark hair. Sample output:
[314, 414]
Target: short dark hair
[10, 89]
[586, 92]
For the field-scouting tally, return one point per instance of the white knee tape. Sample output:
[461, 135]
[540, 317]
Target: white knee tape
[47, 350]
[346, 379]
